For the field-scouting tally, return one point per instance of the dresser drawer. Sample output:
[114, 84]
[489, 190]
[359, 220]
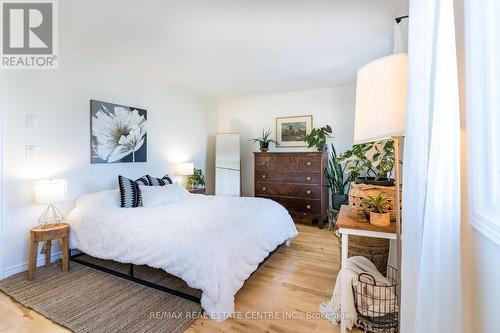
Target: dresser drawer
[264, 162]
[310, 206]
[289, 177]
[288, 190]
[309, 163]
[286, 162]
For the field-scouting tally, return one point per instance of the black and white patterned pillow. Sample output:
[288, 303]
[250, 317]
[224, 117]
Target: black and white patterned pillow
[143, 181]
[167, 179]
[153, 181]
[130, 193]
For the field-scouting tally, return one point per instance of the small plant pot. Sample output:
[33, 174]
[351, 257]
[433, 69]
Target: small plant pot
[380, 219]
[339, 200]
[264, 146]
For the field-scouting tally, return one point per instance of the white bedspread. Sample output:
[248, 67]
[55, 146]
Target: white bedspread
[212, 243]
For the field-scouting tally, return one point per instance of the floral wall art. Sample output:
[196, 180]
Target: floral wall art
[118, 133]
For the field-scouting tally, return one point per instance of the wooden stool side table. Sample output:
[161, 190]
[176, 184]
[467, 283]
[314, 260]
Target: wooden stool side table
[47, 235]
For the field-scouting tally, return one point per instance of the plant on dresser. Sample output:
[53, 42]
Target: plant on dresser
[295, 180]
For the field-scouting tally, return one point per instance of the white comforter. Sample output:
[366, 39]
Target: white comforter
[212, 243]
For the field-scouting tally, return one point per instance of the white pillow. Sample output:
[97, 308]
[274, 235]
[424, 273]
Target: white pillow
[161, 195]
[99, 200]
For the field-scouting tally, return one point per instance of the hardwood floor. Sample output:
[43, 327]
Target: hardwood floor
[293, 282]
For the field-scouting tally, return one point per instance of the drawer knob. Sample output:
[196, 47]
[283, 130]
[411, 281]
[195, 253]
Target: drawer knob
[308, 206]
[264, 163]
[264, 176]
[308, 163]
[264, 188]
[308, 178]
[308, 191]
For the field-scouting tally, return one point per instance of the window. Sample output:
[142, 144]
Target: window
[483, 114]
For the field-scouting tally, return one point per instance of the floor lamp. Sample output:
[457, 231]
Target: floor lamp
[381, 104]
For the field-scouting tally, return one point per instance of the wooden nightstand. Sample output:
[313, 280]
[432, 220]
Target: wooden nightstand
[47, 234]
[198, 190]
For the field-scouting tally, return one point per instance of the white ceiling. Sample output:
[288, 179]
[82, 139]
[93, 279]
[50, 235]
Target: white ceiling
[232, 48]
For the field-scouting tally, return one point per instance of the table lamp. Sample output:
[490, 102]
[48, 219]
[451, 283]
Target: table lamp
[184, 169]
[381, 104]
[50, 192]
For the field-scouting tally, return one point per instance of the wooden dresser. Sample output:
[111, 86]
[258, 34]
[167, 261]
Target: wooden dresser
[295, 180]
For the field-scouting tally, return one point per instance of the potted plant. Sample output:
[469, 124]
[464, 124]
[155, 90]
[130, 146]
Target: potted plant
[318, 137]
[379, 205]
[264, 140]
[370, 163]
[338, 180]
[196, 180]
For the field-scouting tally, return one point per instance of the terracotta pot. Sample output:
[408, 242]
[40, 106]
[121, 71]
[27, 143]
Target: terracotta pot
[380, 219]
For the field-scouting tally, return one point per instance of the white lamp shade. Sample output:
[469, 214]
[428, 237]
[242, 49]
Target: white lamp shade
[381, 99]
[50, 191]
[184, 169]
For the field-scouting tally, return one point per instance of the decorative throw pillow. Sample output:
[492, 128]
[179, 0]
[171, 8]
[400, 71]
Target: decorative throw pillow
[161, 195]
[130, 193]
[167, 179]
[153, 181]
[143, 180]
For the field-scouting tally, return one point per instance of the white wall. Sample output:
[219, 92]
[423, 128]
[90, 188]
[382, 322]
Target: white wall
[247, 116]
[181, 127]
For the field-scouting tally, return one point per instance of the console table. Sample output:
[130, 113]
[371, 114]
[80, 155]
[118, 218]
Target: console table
[352, 221]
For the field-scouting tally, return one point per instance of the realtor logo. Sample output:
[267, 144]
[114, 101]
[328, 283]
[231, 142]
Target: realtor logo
[29, 34]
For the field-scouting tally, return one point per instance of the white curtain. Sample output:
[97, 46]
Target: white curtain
[431, 285]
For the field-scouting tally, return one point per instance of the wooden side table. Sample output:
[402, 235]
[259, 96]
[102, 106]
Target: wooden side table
[351, 221]
[47, 234]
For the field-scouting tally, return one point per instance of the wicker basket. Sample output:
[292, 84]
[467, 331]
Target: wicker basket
[359, 191]
[374, 249]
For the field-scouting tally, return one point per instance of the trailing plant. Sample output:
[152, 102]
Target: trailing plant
[374, 159]
[379, 204]
[336, 176]
[196, 179]
[318, 137]
[265, 138]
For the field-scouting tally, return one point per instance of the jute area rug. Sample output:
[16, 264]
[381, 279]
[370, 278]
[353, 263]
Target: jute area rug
[88, 300]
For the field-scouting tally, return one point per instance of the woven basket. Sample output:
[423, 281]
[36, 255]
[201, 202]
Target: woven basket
[359, 191]
[374, 249]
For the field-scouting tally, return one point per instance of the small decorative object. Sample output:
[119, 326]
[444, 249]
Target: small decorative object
[370, 163]
[118, 133]
[379, 206]
[50, 192]
[292, 131]
[196, 180]
[264, 140]
[338, 180]
[318, 137]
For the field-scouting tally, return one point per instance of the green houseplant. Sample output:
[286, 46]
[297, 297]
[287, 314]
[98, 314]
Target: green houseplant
[379, 207]
[196, 180]
[370, 163]
[338, 180]
[264, 140]
[318, 137]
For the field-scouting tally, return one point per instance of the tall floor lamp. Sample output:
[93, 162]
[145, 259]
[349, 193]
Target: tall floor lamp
[381, 104]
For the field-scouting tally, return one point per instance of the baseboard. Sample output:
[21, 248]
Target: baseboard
[24, 266]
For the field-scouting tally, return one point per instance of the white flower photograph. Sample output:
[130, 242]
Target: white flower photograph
[118, 133]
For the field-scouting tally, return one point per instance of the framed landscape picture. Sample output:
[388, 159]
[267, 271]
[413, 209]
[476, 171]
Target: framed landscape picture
[291, 131]
[118, 133]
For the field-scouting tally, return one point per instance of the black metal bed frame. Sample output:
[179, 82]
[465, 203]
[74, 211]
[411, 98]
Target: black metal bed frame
[130, 276]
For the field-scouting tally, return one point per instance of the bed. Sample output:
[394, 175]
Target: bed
[213, 243]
